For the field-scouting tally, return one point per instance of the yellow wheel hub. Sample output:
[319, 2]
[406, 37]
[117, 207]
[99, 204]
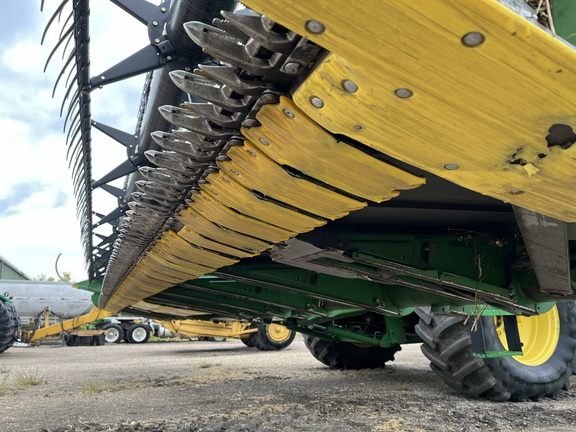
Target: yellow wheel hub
[277, 333]
[539, 335]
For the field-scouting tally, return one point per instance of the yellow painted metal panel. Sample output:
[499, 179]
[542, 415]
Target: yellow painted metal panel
[172, 258]
[233, 329]
[161, 274]
[218, 213]
[164, 265]
[231, 193]
[172, 243]
[256, 171]
[200, 224]
[132, 289]
[157, 274]
[167, 310]
[170, 261]
[150, 282]
[193, 237]
[471, 110]
[70, 324]
[164, 257]
[290, 137]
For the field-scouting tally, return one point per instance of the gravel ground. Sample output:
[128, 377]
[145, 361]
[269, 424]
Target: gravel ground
[207, 386]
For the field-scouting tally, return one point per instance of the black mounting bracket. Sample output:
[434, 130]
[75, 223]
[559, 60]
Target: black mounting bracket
[154, 56]
[478, 336]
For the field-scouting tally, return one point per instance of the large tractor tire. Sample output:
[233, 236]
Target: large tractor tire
[346, 355]
[544, 369]
[273, 337]
[250, 339]
[9, 325]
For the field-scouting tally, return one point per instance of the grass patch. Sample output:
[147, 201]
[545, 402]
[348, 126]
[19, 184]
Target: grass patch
[3, 387]
[207, 365]
[394, 425]
[95, 387]
[29, 379]
[4, 369]
[156, 339]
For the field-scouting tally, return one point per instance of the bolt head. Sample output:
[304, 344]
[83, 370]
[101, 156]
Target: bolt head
[292, 67]
[268, 98]
[349, 86]
[267, 22]
[316, 102]
[473, 39]
[315, 27]
[451, 166]
[403, 93]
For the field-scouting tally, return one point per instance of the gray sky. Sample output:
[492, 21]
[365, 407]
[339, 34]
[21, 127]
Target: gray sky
[37, 209]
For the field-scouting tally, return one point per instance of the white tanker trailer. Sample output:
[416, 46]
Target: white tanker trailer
[31, 298]
[59, 307]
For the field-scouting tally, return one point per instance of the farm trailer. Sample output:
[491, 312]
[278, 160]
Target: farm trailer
[53, 308]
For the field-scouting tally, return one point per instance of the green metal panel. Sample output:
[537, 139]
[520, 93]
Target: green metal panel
[390, 275]
[497, 354]
[564, 15]
[466, 253]
[5, 299]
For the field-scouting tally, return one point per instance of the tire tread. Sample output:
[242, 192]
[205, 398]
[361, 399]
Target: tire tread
[496, 379]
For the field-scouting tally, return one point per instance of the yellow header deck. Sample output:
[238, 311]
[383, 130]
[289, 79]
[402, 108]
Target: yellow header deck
[425, 97]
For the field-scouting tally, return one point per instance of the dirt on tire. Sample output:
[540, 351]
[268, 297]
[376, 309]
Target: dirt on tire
[226, 386]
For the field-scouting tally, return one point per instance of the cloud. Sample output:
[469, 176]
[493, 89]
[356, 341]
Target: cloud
[37, 209]
[33, 239]
[60, 199]
[17, 195]
[17, 18]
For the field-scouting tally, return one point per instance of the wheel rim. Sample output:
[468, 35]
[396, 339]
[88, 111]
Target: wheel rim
[277, 333]
[139, 334]
[539, 335]
[112, 335]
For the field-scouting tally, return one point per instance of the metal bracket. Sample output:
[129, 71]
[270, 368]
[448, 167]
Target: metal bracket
[112, 216]
[125, 168]
[147, 13]
[338, 334]
[512, 337]
[153, 56]
[546, 240]
[300, 254]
